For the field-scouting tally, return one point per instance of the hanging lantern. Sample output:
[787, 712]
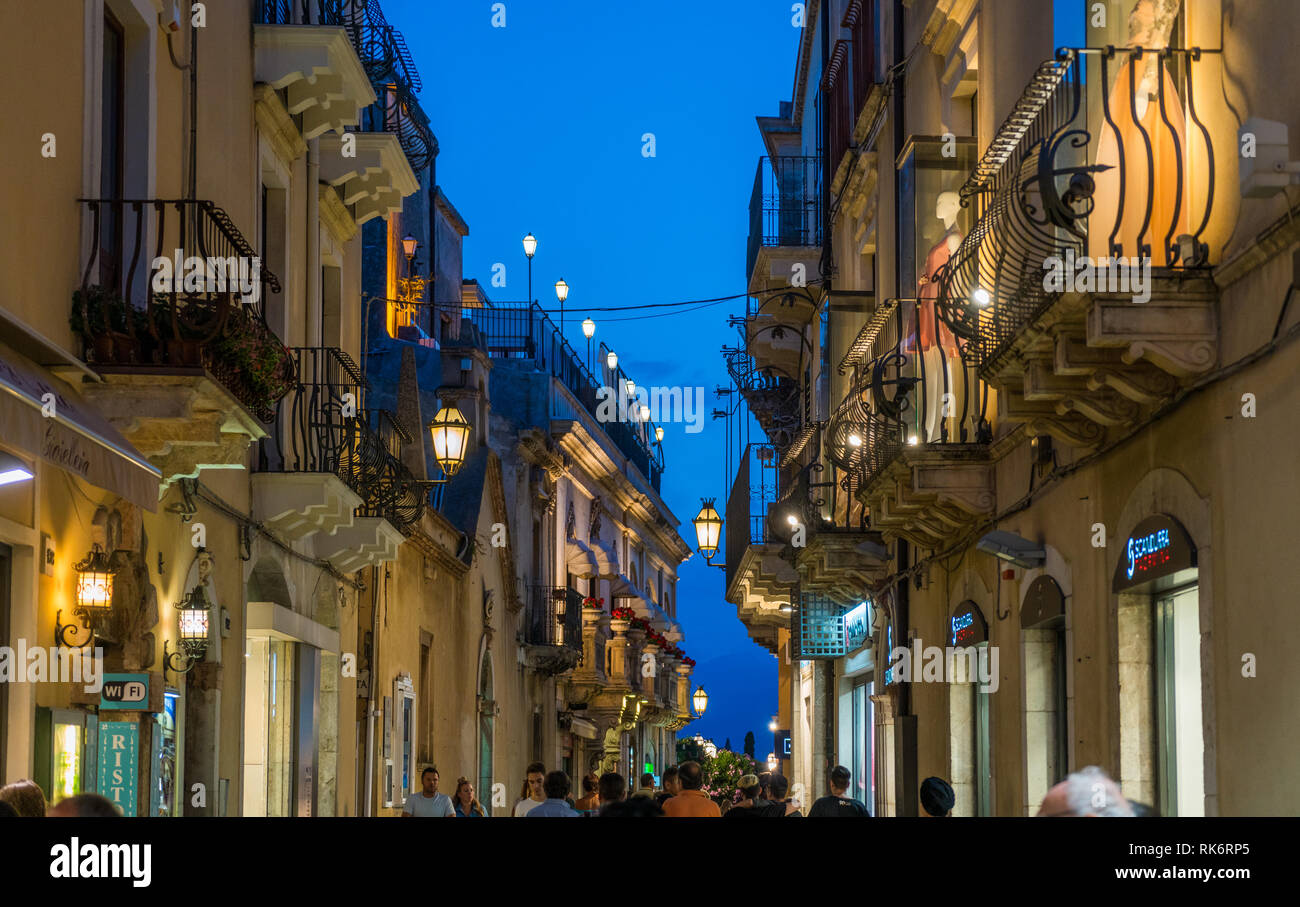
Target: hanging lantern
[450, 438]
[700, 700]
[195, 610]
[95, 583]
[708, 528]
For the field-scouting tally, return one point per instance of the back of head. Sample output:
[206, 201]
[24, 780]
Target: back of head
[670, 774]
[7, 811]
[636, 808]
[778, 785]
[690, 775]
[749, 786]
[25, 797]
[1091, 792]
[647, 780]
[589, 783]
[840, 777]
[937, 797]
[556, 785]
[612, 787]
[86, 806]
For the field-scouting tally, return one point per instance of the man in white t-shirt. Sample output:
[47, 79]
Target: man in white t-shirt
[429, 802]
[535, 774]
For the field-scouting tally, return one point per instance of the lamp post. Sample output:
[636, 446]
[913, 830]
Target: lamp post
[611, 360]
[588, 331]
[530, 249]
[561, 293]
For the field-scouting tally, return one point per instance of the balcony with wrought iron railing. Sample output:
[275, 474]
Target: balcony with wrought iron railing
[522, 331]
[1083, 290]
[911, 435]
[171, 305]
[785, 222]
[758, 578]
[553, 628]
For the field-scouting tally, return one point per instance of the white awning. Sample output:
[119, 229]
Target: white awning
[45, 417]
[583, 728]
[580, 560]
[606, 559]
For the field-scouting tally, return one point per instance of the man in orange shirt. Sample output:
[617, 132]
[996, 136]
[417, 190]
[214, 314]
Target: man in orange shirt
[691, 802]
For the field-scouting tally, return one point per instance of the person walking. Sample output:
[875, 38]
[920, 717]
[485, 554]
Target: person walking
[590, 801]
[464, 801]
[937, 797]
[838, 803]
[647, 788]
[428, 802]
[751, 788]
[692, 802]
[671, 787]
[613, 788]
[532, 794]
[556, 788]
[779, 806]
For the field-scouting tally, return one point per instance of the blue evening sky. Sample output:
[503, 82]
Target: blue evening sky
[540, 126]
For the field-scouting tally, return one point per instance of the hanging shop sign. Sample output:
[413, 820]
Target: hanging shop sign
[119, 755]
[967, 626]
[125, 691]
[783, 744]
[1044, 605]
[857, 626]
[1158, 546]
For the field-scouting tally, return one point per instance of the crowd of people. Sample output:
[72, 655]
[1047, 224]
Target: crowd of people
[1087, 792]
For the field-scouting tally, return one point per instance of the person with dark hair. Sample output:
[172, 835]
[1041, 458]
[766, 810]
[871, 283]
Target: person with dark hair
[85, 806]
[647, 788]
[671, 787]
[838, 803]
[556, 787]
[428, 802]
[26, 797]
[750, 789]
[632, 808]
[7, 811]
[464, 801]
[778, 806]
[937, 798]
[692, 802]
[613, 788]
[590, 801]
[533, 794]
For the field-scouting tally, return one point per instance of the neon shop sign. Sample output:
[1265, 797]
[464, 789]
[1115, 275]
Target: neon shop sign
[1158, 546]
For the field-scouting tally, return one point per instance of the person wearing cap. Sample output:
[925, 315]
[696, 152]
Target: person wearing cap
[692, 802]
[937, 798]
[838, 803]
[750, 788]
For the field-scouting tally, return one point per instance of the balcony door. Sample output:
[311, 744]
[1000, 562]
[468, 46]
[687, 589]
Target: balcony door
[112, 150]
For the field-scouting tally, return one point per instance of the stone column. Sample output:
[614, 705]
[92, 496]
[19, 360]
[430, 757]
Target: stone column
[684, 690]
[591, 625]
[647, 681]
[618, 654]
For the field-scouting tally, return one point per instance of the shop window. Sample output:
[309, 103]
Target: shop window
[1178, 704]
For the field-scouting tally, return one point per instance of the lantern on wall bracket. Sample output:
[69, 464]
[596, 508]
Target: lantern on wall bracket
[94, 597]
[700, 700]
[450, 434]
[195, 610]
[708, 530]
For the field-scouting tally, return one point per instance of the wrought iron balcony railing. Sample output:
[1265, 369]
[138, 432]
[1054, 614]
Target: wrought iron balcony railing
[1114, 164]
[755, 489]
[212, 314]
[554, 618]
[785, 207]
[299, 12]
[523, 331]
[910, 387]
[323, 426]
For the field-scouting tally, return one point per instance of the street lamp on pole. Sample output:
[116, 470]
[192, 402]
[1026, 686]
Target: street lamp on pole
[561, 293]
[588, 331]
[530, 248]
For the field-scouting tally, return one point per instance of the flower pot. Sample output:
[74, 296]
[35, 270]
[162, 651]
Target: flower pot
[103, 347]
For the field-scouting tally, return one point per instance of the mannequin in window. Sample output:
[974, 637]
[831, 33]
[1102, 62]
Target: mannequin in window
[1135, 107]
[937, 345]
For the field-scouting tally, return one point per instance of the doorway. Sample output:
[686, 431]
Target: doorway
[1179, 734]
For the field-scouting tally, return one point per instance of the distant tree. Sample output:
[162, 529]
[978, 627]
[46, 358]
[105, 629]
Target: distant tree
[688, 750]
[727, 746]
[749, 744]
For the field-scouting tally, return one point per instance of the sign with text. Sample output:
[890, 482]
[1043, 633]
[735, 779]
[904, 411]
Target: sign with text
[967, 627]
[857, 626]
[119, 757]
[125, 691]
[1158, 546]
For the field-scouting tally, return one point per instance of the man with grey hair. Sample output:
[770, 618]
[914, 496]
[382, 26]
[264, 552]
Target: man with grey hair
[1089, 792]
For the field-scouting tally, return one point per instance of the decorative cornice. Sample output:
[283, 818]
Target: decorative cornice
[274, 122]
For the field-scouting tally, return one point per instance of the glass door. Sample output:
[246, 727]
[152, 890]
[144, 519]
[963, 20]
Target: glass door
[1181, 745]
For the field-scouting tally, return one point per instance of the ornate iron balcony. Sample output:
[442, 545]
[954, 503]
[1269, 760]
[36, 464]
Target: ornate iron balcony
[1114, 165]
[785, 207]
[299, 12]
[207, 319]
[554, 618]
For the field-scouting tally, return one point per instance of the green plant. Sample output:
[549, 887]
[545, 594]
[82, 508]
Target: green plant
[255, 358]
[91, 303]
[722, 774]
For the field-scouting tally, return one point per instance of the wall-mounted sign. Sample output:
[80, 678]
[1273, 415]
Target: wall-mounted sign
[1158, 546]
[857, 626]
[119, 756]
[783, 745]
[967, 626]
[889, 648]
[1044, 605]
[125, 691]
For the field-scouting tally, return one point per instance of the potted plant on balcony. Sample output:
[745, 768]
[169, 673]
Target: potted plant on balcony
[110, 329]
[251, 361]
